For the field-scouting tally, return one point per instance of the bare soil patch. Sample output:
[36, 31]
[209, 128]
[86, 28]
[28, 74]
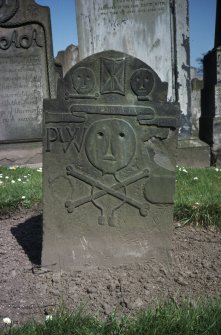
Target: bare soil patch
[27, 291]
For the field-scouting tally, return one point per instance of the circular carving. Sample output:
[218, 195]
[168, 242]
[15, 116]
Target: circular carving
[142, 82]
[83, 80]
[8, 8]
[110, 145]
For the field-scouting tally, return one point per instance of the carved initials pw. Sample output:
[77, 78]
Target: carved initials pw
[66, 136]
[73, 138]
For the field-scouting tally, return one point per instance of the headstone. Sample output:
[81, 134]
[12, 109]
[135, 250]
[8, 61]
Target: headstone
[67, 58]
[157, 32]
[196, 87]
[210, 121]
[193, 152]
[109, 159]
[217, 41]
[27, 69]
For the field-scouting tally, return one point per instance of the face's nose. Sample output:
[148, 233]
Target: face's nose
[109, 155]
[141, 84]
[83, 82]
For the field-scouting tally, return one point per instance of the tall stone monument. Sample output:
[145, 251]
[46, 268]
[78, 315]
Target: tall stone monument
[109, 162]
[157, 32]
[210, 121]
[27, 70]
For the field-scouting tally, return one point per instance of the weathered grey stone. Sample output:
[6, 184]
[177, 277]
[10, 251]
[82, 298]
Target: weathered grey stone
[196, 87]
[109, 158]
[58, 73]
[218, 25]
[193, 153]
[210, 121]
[67, 58]
[181, 65]
[27, 69]
[157, 32]
[27, 154]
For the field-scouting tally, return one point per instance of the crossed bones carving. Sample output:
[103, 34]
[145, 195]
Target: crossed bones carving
[104, 189]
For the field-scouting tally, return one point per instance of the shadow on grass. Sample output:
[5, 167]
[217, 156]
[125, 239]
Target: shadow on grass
[29, 236]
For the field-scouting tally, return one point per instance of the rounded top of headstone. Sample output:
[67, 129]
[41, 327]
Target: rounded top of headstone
[112, 76]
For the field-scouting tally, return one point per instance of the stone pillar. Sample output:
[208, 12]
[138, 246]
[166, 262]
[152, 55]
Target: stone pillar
[217, 41]
[182, 69]
[210, 121]
[196, 87]
[155, 31]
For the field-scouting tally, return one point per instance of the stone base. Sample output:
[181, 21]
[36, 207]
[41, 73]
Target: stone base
[210, 132]
[193, 153]
[216, 156]
[28, 154]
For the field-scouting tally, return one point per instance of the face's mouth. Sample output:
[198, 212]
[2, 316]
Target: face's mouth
[142, 90]
[109, 158]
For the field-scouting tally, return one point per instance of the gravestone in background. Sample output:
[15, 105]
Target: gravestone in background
[67, 58]
[109, 162]
[27, 71]
[196, 87]
[210, 121]
[193, 152]
[157, 32]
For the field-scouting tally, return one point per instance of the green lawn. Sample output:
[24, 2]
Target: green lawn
[19, 187]
[197, 199]
[168, 319]
[198, 196]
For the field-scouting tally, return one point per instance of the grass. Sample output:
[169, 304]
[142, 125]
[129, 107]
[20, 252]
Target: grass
[19, 187]
[198, 196]
[197, 199]
[168, 319]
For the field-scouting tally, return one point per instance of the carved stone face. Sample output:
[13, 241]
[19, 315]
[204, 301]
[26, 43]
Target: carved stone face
[83, 80]
[110, 145]
[142, 82]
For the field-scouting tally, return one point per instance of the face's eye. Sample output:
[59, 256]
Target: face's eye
[100, 134]
[122, 135]
[138, 79]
